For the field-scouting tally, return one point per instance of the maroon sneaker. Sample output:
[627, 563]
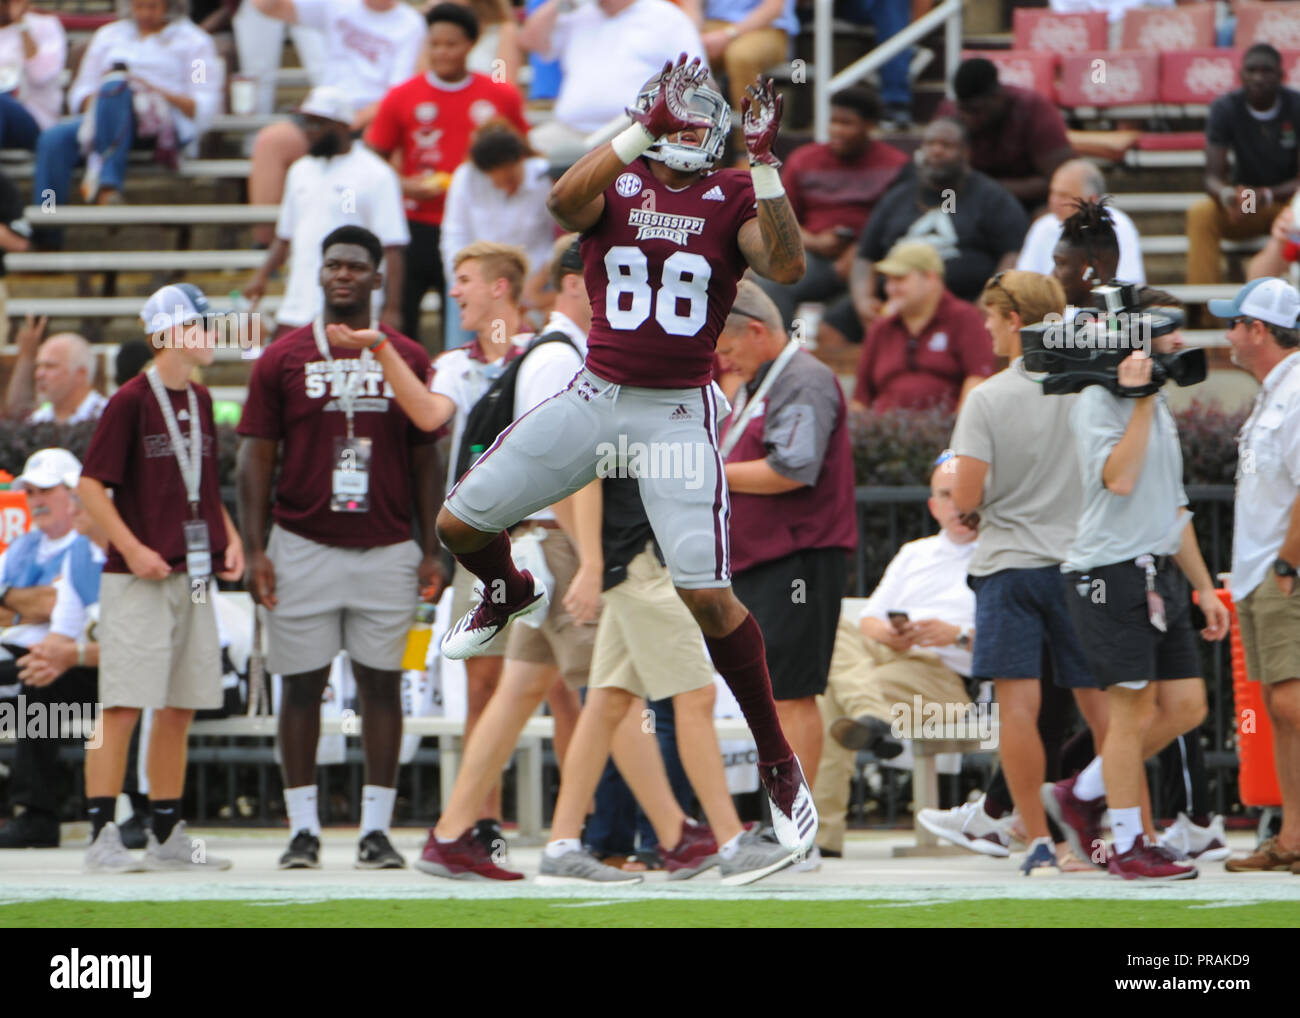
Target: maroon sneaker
[1078, 819]
[1145, 861]
[696, 851]
[463, 859]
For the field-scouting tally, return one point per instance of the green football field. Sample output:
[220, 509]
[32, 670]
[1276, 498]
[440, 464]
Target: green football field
[606, 912]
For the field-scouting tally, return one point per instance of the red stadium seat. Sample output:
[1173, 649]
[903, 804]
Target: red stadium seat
[1172, 141]
[1164, 29]
[1106, 79]
[1277, 24]
[1059, 33]
[1034, 69]
[1198, 76]
[1290, 67]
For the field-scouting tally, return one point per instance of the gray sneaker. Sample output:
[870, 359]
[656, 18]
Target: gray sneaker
[180, 852]
[580, 867]
[756, 857]
[107, 854]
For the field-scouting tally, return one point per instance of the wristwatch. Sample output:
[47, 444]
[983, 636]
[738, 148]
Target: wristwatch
[1280, 566]
[963, 638]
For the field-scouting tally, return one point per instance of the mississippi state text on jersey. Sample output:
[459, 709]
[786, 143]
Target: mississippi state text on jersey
[661, 269]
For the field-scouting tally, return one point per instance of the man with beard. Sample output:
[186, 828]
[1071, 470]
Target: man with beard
[975, 224]
[337, 183]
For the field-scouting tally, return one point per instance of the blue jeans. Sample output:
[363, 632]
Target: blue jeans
[17, 127]
[546, 73]
[890, 17]
[57, 152]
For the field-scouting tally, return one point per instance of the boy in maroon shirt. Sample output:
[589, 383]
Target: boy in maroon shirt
[155, 450]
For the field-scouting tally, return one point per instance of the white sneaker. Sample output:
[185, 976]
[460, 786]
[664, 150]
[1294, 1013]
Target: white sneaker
[1188, 841]
[107, 854]
[477, 628]
[180, 852]
[968, 826]
[794, 817]
[756, 857]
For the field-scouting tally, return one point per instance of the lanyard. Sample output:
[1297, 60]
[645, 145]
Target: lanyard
[745, 408]
[346, 397]
[189, 457]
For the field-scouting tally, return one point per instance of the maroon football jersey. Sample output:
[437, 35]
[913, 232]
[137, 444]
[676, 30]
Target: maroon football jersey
[661, 268]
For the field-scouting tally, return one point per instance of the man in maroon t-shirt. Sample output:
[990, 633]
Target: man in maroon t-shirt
[790, 471]
[155, 450]
[1017, 137]
[340, 570]
[927, 348]
[833, 187]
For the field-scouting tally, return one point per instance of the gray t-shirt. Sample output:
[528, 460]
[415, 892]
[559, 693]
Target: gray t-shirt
[1032, 487]
[1118, 528]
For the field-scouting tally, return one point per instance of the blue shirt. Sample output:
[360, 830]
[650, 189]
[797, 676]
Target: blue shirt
[736, 10]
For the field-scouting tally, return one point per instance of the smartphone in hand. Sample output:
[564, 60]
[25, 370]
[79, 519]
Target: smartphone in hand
[898, 620]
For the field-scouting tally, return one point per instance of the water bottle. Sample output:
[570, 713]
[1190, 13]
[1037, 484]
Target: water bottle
[418, 638]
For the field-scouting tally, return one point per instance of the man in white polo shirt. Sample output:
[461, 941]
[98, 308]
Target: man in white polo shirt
[338, 183]
[1266, 538]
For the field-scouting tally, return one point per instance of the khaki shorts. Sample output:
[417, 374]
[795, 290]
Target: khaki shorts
[559, 641]
[157, 646]
[463, 600]
[361, 600]
[1270, 633]
[648, 643]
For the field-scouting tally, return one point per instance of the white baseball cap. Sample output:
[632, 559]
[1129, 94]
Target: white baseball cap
[328, 102]
[49, 468]
[175, 304]
[1269, 299]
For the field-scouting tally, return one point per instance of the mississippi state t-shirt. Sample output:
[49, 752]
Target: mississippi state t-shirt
[131, 455]
[292, 400]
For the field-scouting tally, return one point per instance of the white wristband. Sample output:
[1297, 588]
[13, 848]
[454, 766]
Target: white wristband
[767, 181]
[629, 143]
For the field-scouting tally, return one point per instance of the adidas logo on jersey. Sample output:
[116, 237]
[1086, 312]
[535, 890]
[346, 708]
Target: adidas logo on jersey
[680, 414]
[714, 194]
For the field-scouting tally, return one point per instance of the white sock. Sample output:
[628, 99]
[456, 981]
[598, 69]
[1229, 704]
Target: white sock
[729, 850]
[1126, 825]
[562, 846]
[1090, 784]
[301, 803]
[377, 808]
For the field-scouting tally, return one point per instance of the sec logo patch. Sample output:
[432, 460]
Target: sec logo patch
[628, 185]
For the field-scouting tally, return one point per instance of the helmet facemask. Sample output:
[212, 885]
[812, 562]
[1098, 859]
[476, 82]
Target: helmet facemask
[683, 157]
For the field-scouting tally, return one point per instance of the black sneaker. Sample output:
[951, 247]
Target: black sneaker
[489, 834]
[376, 852]
[132, 831]
[303, 852]
[31, 829]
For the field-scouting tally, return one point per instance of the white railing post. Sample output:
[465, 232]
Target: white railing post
[823, 42]
[952, 31]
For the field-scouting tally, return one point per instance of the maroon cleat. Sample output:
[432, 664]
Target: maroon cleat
[1145, 861]
[463, 859]
[696, 851]
[1078, 819]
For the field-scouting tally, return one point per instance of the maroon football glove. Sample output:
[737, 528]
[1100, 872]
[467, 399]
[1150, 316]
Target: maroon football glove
[761, 116]
[670, 110]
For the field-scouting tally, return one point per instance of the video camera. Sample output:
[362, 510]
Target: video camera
[1088, 349]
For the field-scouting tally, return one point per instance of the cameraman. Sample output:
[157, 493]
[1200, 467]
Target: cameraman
[1130, 607]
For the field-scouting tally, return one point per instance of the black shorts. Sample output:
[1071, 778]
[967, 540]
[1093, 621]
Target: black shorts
[1109, 608]
[796, 602]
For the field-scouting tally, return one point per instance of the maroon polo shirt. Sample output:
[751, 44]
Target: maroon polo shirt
[896, 369]
[826, 191]
[1032, 124]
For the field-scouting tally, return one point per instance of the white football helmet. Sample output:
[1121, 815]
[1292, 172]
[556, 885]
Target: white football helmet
[705, 100]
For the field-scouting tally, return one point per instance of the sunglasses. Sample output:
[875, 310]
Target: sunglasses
[996, 283]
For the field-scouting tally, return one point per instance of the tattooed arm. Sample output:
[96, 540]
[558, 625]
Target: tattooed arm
[772, 244]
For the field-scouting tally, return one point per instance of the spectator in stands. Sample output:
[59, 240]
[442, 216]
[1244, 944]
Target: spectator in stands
[33, 53]
[338, 183]
[59, 566]
[1017, 136]
[259, 41]
[1075, 181]
[880, 662]
[833, 187]
[497, 52]
[369, 47]
[15, 236]
[889, 17]
[607, 51]
[786, 448]
[1257, 123]
[152, 76]
[974, 224]
[427, 122]
[926, 348]
[338, 572]
[61, 371]
[498, 194]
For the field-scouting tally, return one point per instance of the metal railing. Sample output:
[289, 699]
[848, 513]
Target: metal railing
[947, 14]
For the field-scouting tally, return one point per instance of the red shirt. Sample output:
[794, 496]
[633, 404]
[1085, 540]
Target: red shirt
[432, 125]
[131, 455]
[896, 369]
[291, 401]
[661, 269]
[826, 191]
[1031, 124]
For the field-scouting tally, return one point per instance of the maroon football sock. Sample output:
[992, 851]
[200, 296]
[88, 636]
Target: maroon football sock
[742, 661]
[493, 565]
